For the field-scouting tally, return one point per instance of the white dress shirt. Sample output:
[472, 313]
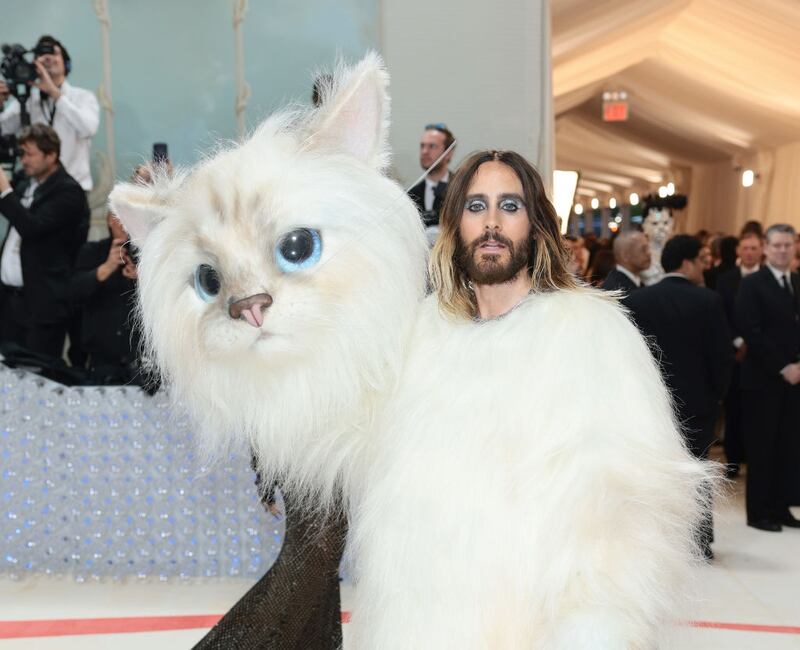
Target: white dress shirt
[76, 118]
[11, 263]
[633, 278]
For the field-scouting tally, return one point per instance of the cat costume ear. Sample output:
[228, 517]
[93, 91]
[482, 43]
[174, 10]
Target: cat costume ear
[354, 115]
[138, 207]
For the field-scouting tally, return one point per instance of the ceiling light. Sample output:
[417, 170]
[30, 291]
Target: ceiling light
[634, 198]
[618, 219]
[748, 176]
[670, 188]
[662, 191]
[578, 208]
[612, 203]
[595, 203]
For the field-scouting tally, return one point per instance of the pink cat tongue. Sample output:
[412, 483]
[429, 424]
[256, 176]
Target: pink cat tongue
[253, 315]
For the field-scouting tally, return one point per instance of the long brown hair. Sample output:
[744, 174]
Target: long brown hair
[547, 263]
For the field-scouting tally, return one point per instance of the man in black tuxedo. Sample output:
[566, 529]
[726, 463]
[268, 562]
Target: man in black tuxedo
[632, 256]
[48, 214]
[768, 318]
[749, 251]
[429, 193]
[688, 325]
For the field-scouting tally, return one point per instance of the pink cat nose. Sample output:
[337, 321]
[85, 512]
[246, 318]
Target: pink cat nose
[251, 308]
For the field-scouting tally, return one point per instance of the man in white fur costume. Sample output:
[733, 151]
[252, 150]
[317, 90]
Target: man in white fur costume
[281, 292]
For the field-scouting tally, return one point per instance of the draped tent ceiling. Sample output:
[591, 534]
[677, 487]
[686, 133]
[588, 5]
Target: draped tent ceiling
[712, 85]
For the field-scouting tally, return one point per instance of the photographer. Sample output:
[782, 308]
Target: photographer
[73, 112]
[45, 212]
[103, 287]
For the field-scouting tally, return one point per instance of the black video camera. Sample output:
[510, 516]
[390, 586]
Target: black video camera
[19, 71]
[17, 68]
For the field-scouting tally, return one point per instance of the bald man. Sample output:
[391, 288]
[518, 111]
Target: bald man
[632, 255]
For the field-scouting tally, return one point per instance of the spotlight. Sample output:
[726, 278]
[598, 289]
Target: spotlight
[595, 203]
[662, 191]
[578, 208]
[634, 198]
[748, 177]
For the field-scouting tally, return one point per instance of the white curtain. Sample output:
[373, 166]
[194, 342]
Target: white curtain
[712, 84]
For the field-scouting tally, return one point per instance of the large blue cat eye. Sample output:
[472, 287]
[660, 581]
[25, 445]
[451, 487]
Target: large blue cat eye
[206, 282]
[298, 250]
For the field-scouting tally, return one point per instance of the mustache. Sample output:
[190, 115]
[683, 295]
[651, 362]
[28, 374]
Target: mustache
[491, 235]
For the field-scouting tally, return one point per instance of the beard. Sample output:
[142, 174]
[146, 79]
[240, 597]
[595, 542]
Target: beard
[488, 268]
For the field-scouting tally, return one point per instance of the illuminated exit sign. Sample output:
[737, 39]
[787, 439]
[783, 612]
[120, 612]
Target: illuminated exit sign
[615, 106]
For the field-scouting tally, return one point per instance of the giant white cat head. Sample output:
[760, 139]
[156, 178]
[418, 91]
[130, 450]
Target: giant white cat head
[279, 280]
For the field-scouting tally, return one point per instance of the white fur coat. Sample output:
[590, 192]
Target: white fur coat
[528, 488]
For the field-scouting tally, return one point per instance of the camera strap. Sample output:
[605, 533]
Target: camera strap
[47, 111]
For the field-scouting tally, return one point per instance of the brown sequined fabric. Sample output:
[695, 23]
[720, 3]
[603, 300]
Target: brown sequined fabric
[296, 605]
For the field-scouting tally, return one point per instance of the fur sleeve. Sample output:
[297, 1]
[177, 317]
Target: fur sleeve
[626, 550]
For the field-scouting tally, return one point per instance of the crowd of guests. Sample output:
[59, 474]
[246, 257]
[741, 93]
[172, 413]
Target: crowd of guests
[724, 322]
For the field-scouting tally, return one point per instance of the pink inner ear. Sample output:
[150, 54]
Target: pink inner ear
[356, 125]
[360, 125]
[133, 208]
[135, 221]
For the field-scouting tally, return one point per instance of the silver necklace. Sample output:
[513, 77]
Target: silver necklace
[479, 319]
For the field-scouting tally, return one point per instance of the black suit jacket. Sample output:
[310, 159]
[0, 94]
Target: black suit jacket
[689, 327]
[417, 194]
[51, 230]
[768, 320]
[618, 280]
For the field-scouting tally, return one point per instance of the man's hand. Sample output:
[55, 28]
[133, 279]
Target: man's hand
[129, 270]
[5, 92]
[44, 83]
[4, 184]
[113, 261]
[791, 373]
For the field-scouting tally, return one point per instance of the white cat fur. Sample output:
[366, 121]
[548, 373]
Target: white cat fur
[519, 483]
[337, 331]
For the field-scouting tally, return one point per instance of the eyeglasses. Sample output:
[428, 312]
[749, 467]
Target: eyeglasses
[438, 126]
